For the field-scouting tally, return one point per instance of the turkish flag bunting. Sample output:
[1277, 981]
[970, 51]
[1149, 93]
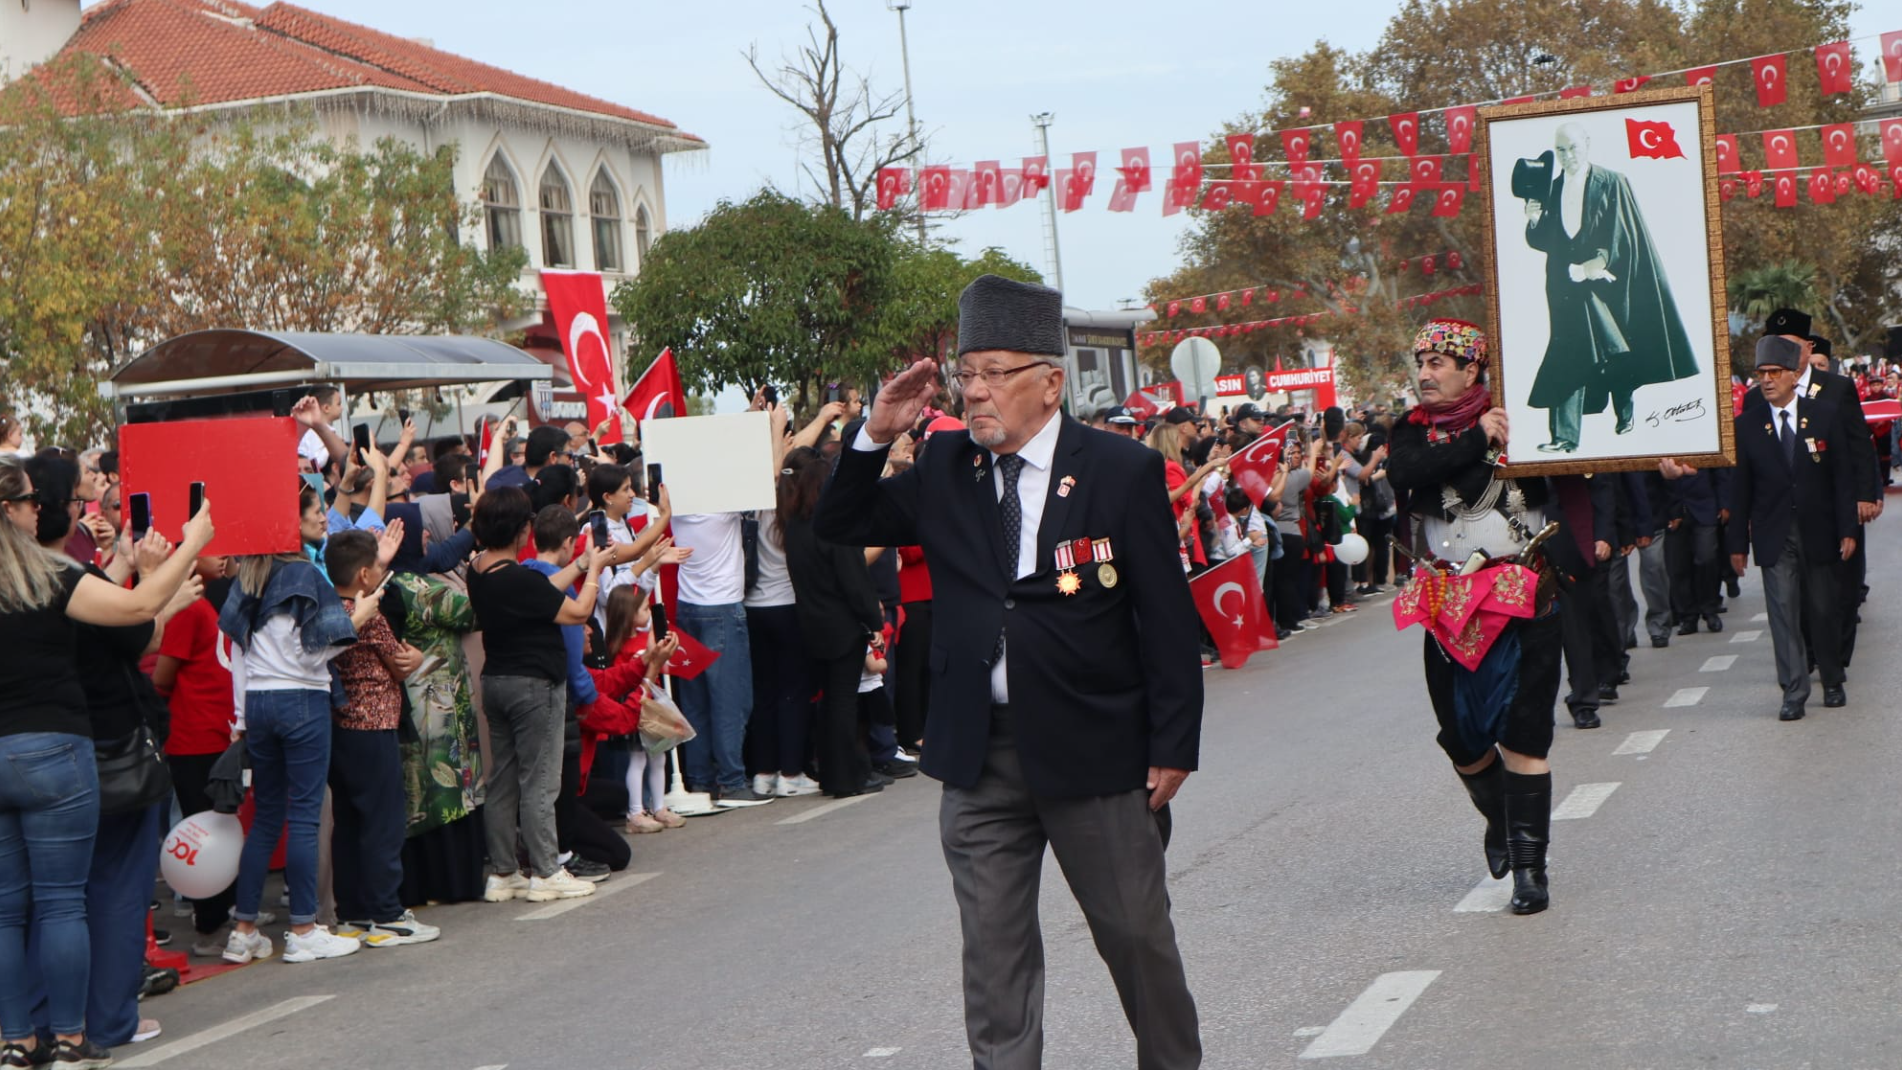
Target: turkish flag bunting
[1779, 149]
[1071, 189]
[1365, 183]
[1221, 302]
[1347, 137]
[1306, 180]
[1267, 199]
[1510, 101]
[1753, 183]
[1822, 186]
[1770, 73]
[1651, 140]
[692, 658]
[578, 304]
[1895, 181]
[1700, 76]
[1892, 56]
[1424, 170]
[1400, 200]
[1406, 131]
[1459, 129]
[1248, 298]
[1785, 190]
[959, 190]
[657, 394]
[1448, 203]
[1295, 144]
[1843, 183]
[1229, 599]
[1181, 190]
[1867, 178]
[1575, 91]
[1189, 163]
[1010, 186]
[1217, 197]
[1253, 469]
[936, 196]
[1836, 67]
[1312, 199]
[987, 178]
[1175, 307]
[1122, 198]
[1427, 264]
[1630, 85]
[1198, 304]
[1892, 142]
[1726, 154]
[1135, 171]
[1036, 171]
[1727, 188]
[893, 183]
[1839, 144]
[1472, 173]
[1241, 155]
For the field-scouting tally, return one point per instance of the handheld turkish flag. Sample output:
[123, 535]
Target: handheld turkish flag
[693, 657]
[1839, 144]
[1241, 154]
[1136, 171]
[1459, 129]
[1779, 149]
[1726, 154]
[1141, 406]
[936, 196]
[1630, 85]
[658, 394]
[1295, 144]
[1229, 599]
[1036, 171]
[1406, 131]
[1083, 170]
[1700, 76]
[579, 306]
[1253, 469]
[1892, 56]
[1347, 136]
[893, 183]
[1448, 204]
[1836, 67]
[1651, 140]
[1892, 142]
[1770, 74]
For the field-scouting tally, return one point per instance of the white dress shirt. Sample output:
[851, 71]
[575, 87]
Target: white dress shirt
[1033, 486]
[1796, 426]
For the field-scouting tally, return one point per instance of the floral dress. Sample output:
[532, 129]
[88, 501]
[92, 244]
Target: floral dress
[442, 768]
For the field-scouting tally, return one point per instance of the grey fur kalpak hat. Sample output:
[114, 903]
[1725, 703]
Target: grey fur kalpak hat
[1021, 317]
[1778, 352]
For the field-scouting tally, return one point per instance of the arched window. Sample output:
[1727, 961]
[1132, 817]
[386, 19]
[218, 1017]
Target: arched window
[558, 220]
[502, 204]
[604, 206]
[643, 233]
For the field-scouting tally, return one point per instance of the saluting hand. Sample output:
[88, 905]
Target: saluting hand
[900, 402]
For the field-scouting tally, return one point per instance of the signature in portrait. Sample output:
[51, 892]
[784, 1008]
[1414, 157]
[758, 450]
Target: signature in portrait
[1677, 414]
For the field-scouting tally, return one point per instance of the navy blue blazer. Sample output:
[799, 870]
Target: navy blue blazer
[1768, 496]
[1104, 683]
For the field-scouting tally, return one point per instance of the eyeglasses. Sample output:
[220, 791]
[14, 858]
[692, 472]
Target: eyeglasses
[23, 499]
[1770, 371]
[993, 377]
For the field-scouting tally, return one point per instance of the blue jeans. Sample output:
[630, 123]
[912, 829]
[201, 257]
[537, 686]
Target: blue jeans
[718, 701]
[287, 734]
[49, 811]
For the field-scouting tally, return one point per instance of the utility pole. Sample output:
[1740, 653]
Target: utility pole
[911, 119]
[1042, 122]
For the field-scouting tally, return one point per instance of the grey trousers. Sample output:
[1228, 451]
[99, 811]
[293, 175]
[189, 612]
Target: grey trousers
[525, 715]
[1111, 850]
[1624, 604]
[1654, 579]
[1790, 587]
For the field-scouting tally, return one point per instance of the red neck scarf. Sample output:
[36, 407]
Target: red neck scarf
[1453, 417]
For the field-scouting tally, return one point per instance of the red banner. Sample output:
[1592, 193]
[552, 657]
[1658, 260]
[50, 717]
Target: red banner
[246, 464]
[579, 306]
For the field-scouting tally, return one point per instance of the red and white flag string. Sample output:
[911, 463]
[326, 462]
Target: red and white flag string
[1224, 330]
[1243, 297]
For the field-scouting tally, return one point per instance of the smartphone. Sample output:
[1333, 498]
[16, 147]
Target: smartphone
[472, 475]
[659, 618]
[360, 438]
[402, 416]
[139, 509]
[653, 483]
[833, 393]
[197, 500]
[598, 520]
[770, 393]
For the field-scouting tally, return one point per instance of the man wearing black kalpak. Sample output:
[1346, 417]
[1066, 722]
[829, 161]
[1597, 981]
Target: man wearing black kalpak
[1066, 690]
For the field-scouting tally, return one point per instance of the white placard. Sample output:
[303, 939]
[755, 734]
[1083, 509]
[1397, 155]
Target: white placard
[713, 464]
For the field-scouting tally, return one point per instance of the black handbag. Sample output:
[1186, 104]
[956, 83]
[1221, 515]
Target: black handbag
[132, 772]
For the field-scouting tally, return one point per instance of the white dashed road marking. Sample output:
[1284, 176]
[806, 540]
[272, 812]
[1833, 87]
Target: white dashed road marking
[882, 1053]
[1719, 663]
[1310, 1031]
[221, 1032]
[1686, 696]
[1760, 1008]
[601, 891]
[1746, 637]
[1490, 897]
[821, 811]
[1761, 618]
[1642, 742]
[1584, 801]
[1372, 1013]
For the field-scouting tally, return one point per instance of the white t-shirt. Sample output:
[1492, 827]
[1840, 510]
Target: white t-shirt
[277, 660]
[716, 573]
[775, 582]
[312, 446]
[621, 533]
[870, 681]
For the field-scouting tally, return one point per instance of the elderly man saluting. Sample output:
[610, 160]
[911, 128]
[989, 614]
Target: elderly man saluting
[1066, 689]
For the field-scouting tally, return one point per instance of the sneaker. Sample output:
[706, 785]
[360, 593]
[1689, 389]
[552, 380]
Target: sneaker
[284, 898]
[84, 1055]
[265, 917]
[502, 887]
[318, 943]
[740, 798]
[148, 1029]
[181, 906]
[896, 770]
[161, 937]
[243, 947]
[561, 885]
[787, 787]
[763, 783]
[15, 1057]
[642, 823]
[353, 930]
[669, 819]
[157, 981]
[210, 945]
[587, 869]
[404, 930]
[901, 755]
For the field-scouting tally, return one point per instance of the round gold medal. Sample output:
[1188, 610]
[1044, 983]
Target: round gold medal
[1106, 574]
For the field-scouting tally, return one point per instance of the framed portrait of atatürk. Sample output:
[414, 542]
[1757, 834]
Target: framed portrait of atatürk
[1605, 289]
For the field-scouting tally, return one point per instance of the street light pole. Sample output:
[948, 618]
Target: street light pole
[911, 119]
[1042, 121]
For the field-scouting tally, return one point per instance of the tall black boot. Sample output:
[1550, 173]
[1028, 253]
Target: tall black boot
[1528, 829]
[1488, 790]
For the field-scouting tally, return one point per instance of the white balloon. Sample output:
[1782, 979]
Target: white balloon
[1351, 550]
[200, 856]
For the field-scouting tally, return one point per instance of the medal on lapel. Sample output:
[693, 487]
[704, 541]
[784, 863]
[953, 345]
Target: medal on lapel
[1067, 580]
[1815, 389]
[977, 465]
[1105, 572]
[1064, 486]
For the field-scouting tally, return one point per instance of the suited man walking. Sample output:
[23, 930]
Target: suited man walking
[1066, 688]
[1791, 501]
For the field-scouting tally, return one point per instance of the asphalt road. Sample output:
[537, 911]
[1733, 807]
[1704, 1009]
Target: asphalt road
[1725, 897]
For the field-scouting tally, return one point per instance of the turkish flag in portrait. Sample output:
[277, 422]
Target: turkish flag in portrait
[1753, 183]
[1295, 143]
[987, 181]
[1779, 149]
[1892, 56]
[1726, 154]
[1229, 599]
[1253, 469]
[1459, 129]
[893, 183]
[1770, 74]
[1136, 170]
[1400, 200]
[1036, 171]
[1836, 67]
[936, 195]
[1083, 169]
[1700, 76]
[1406, 131]
[1448, 203]
[1892, 142]
[657, 394]
[1786, 190]
[1822, 186]
[578, 303]
[1364, 184]
[1839, 144]
[1122, 198]
[1347, 137]
[1652, 140]
[1630, 85]
[1267, 199]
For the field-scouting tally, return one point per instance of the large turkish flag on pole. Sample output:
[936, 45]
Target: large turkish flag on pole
[658, 394]
[579, 305]
[1229, 599]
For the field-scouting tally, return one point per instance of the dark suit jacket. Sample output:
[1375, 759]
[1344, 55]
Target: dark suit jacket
[1852, 433]
[833, 589]
[1767, 498]
[1104, 683]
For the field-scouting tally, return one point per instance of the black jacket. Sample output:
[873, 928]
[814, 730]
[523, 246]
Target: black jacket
[1852, 435]
[1103, 683]
[1767, 498]
[832, 587]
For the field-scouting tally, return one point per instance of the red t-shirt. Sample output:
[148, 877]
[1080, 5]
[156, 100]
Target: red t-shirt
[201, 694]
